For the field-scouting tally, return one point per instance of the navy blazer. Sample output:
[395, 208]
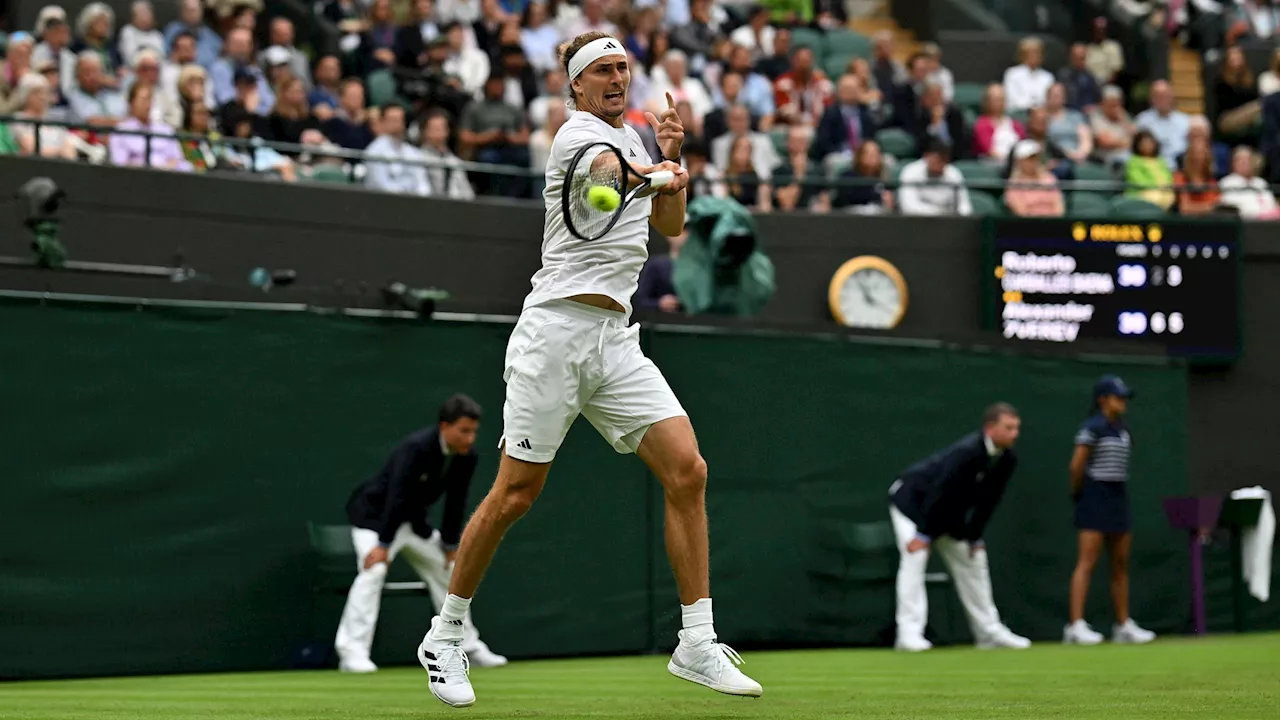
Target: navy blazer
[832, 134]
[409, 482]
[955, 491]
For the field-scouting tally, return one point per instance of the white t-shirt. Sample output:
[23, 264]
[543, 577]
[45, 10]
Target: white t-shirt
[611, 265]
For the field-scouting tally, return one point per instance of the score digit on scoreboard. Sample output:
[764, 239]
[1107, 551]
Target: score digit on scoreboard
[1174, 284]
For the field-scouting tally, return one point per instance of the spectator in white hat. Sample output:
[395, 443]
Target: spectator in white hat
[1033, 190]
[281, 35]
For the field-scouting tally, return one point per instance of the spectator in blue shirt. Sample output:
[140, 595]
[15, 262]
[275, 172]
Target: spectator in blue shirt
[237, 64]
[757, 91]
[1168, 124]
[191, 19]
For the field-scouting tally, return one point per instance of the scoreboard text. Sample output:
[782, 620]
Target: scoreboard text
[1175, 284]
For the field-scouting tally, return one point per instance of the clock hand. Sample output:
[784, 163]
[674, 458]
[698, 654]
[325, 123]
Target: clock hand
[866, 292]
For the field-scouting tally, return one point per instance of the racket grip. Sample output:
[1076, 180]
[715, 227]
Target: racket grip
[660, 178]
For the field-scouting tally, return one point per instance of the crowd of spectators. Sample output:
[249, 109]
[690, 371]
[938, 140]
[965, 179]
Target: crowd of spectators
[420, 87]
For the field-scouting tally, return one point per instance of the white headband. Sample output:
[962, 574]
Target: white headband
[591, 52]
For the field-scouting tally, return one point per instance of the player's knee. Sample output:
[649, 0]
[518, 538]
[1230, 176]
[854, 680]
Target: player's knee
[687, 480]
[516, 500]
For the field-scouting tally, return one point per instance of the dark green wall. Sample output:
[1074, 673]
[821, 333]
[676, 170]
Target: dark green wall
[160, 466]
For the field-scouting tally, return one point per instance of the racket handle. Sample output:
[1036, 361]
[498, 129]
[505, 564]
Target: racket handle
[660, 178]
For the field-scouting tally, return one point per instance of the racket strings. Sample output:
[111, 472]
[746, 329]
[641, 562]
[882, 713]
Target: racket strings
[585, 219]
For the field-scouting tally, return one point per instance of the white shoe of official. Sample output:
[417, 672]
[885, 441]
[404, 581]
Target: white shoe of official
[912, 644]
[714, 665]
[1003, 638]
[1079, 633]
[1129, 633]
[357, 665]
[482, 657]
[448, 671]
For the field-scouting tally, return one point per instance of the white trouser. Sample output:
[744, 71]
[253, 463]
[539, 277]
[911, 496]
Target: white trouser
[969, 572]
[360, 616]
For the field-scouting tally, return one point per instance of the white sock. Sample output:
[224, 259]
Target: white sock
[697, 622]
[452, 613]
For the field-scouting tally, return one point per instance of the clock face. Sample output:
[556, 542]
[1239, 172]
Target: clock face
[870, 298]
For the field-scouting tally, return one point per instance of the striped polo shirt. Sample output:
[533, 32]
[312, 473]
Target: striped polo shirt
[1110, 447]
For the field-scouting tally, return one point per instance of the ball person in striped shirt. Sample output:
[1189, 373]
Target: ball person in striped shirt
[1099, 479]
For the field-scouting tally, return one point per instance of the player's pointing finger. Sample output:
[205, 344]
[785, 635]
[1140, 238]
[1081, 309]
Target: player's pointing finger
[671, 102]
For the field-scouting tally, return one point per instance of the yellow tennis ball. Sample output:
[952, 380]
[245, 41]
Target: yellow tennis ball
[604, 199]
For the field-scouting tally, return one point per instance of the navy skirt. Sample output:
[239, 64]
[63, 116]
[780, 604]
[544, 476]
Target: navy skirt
[1103, 506]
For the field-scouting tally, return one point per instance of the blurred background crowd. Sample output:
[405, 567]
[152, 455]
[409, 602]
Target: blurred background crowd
[788, 104]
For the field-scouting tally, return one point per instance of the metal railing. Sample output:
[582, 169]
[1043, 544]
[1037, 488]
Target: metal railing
[353, 161]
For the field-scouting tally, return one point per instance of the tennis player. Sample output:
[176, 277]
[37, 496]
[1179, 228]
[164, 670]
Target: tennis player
[572, 352]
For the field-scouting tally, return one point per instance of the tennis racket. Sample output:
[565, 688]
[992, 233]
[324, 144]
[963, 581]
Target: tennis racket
[607, 167]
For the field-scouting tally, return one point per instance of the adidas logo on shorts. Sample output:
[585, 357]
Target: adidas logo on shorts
[525, 444]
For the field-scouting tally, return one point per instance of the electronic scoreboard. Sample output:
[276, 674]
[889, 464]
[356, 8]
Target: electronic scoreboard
[1174, 284]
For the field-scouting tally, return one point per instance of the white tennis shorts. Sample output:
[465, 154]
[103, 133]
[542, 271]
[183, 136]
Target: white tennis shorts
[566, 358]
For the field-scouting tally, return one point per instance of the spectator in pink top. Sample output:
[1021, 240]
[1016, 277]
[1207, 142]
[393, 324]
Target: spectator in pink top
[131, 150]
[995, 133]
[1033, 190]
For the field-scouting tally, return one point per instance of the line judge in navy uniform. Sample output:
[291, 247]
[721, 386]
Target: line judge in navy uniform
[388, 515]
[945, 502]
[1099, 473]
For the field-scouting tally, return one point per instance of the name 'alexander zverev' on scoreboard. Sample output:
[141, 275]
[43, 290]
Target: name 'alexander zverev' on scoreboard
[1175, 284]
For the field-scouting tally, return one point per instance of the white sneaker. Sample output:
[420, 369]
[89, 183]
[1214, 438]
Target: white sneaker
[357, 665]
[712, 664]
[912, 644]
[1129, 633]
[482, 657]
[1003, 638]
[1079, 633]
[447, 670]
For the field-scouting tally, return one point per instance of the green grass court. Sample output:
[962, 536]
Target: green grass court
[1212, 679]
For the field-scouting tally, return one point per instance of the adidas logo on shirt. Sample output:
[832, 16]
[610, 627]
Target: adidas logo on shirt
[524, 444]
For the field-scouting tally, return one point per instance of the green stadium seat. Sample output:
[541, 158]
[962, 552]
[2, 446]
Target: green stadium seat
[896, 142]
[1088, 204]
[813, 39]
[848, 42]
[1019, 116]
[985, 204]
[330, 174]
[835, 65]
[381, 85]
[970, 117]
[969, 95]
[1134, 208]
[978, 170]
[1094, 172]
